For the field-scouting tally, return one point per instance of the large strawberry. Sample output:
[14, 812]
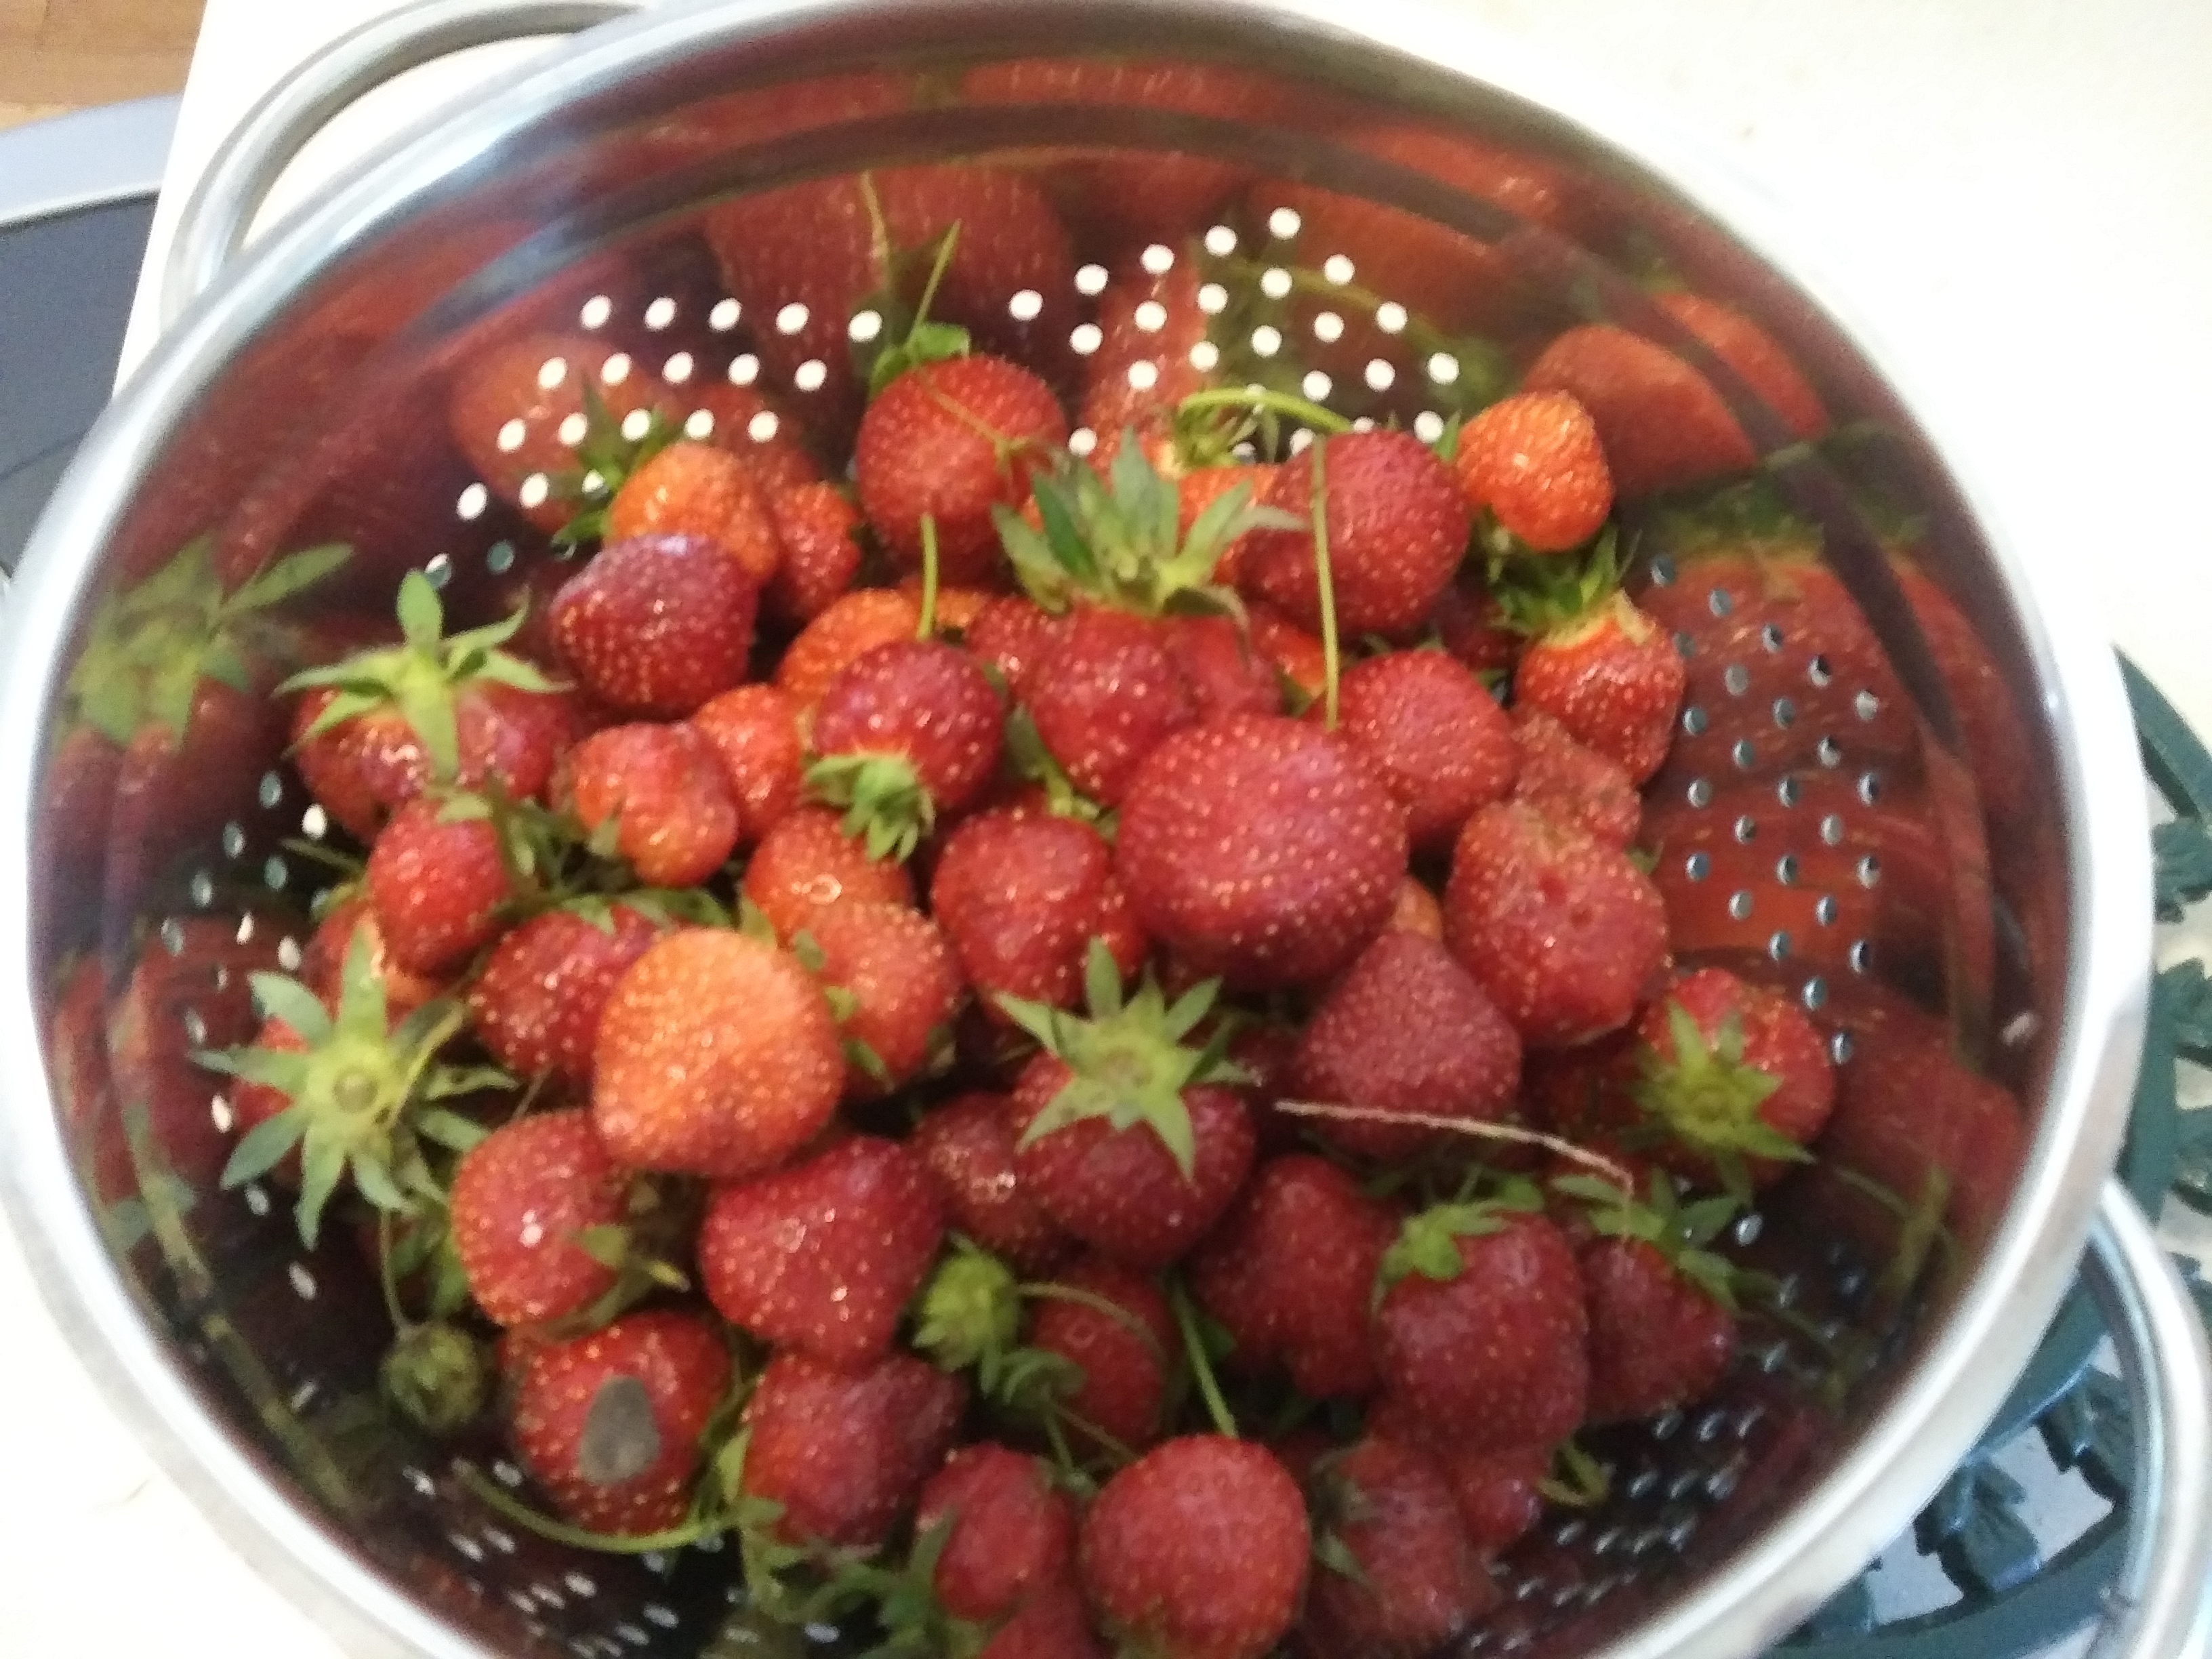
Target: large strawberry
[1400, 1577]
[806, 863]
[1438, 738]
[657, 625]
[907, 734]
[968, 1147]
[657, 796]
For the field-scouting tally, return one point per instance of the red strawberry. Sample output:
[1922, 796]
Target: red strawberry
[819, 529]
[1124, 1356]
[658, 794]
[895, 984]
[1657, 1338]
[906, 734]
[854, 625]
[969, 1146]
[522, 1200]
[805, 864]
[1022, 895]
[1480, 1335]
[1011, 635]
[536, 1006]
[437, 883]
[1471, 626]
[659, 625]
[1397, 527]
[1225, 675]
[518, 412]
[1290, 1274]
[870, 1221]
[1297, 656]
[1534, 462]
[1420, 1581]
[755, 732]
[1198, 1549]
[1008, 1534]
[1260, 849]
[717, 1055]
[609, 1424]
[1108, 695]
[1435, 736]
[1498, 1493]
[845, 1452]
[1612, 678]
[1573, 786]
[695, 490]
[1416, 911]
[322, 963]
[1564, 934]
[1053, 1623]
[948, 442]
[1406, 1031]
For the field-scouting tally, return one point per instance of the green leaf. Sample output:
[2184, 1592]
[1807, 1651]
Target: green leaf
[263, 1147]
[1101, 981]
[294, 574]
[292, 1003]
[504, 669]
[428, 711]
[449, 1129]
[374, 1182]
[322, 1165]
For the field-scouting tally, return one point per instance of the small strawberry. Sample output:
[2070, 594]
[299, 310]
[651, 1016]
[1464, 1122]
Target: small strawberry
[1290, 1274]
[843, 1453]
[1611, 677]
[853, 625]
[806, 863]
[894, 984]
[1053, 1623]
[1471, 627]
[1008, 1533]
[1260, 849]
[695, 490]
[1198, 1549]
[907, 733]
[1126, 1137]
[1435, 736]
[438, 882]
[1480, 1333]
[717, 1055]
[657, 625]
[1499, 1493]
[755, 732]
[1107, 695]
[1406, 1031]
[1532, 463]
[1571, 786]
[1400, 1577]
[968, 1145]
[1384, 517]
[1117, 1332]
[525, 1202]
[1022, 895]
[1564, 934]
[944, 444]
[656, 796]
[518, 411]
[819, 529]
[536, 1006]
[870, 1217]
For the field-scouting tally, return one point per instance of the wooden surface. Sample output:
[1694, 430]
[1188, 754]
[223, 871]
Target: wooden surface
[60, 54]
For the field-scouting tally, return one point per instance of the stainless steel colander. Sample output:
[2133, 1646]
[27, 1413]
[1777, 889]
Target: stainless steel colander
[1928, 827]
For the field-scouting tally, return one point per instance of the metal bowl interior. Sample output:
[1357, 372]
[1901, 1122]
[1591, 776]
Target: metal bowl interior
[1943, 858]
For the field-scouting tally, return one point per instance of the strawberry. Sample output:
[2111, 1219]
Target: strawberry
[1022, 895]
[1416, 1580]
[968, 1145]
[1406, 1031]
[854, 625]
[1053, 1623]
[1611, 677]
[806, 863]
[1471, 627]
[1290, 1273]
[1563, 933]
[755, 732]
[1573, 786]
[1480, 1332]
[517, 412]
[1389, 523]
[437, 882]
[373, 730]
[943, 444]
[1435, 736]
[762, 432]
[1260, 849]
[695, 490]
[819, 529]
[1658, 1339]
[1010, 636]
[1224, 675]
[1121, 1351]
[656, 795]
[523, 1201]
[896, 988]
[1533, 462]
[536, 1006]
[870, 1218]
[1736, 1075]
[1198, 1549]
[1106, 697]
[610, 1423]
[1008, 1533]
[322, 961]
[657, 625]
[1297, 656]
[843, 1453]
[1126, 1136]
[1416, 911]
[1499, 1493]
[909, 732]
[717, 1055]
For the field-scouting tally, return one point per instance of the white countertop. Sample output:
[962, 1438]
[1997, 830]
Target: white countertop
[2025, 189]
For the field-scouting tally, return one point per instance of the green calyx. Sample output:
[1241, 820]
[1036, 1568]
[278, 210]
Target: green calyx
[1130, 1061]
[364, 1094]
[1428, 1241]
[422, 675]
[605, 459]
[887, 807]
[1543, 593]
[1679, 1232]
[969, 1314]
[1705, 1097]
[150, 646]
[435, 1376]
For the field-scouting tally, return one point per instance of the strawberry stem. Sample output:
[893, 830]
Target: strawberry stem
[384, 1272]
[926, 629]
[1326, 579]
[1202, 1367]
[1097, 1304]
[1511, 1133]
[1301, 410]
[488, 1492]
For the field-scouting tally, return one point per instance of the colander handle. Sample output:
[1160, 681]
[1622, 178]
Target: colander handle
[212, 228]
[2160, 1606]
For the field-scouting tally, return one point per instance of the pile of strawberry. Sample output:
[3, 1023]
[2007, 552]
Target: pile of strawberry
[1076, 1048]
